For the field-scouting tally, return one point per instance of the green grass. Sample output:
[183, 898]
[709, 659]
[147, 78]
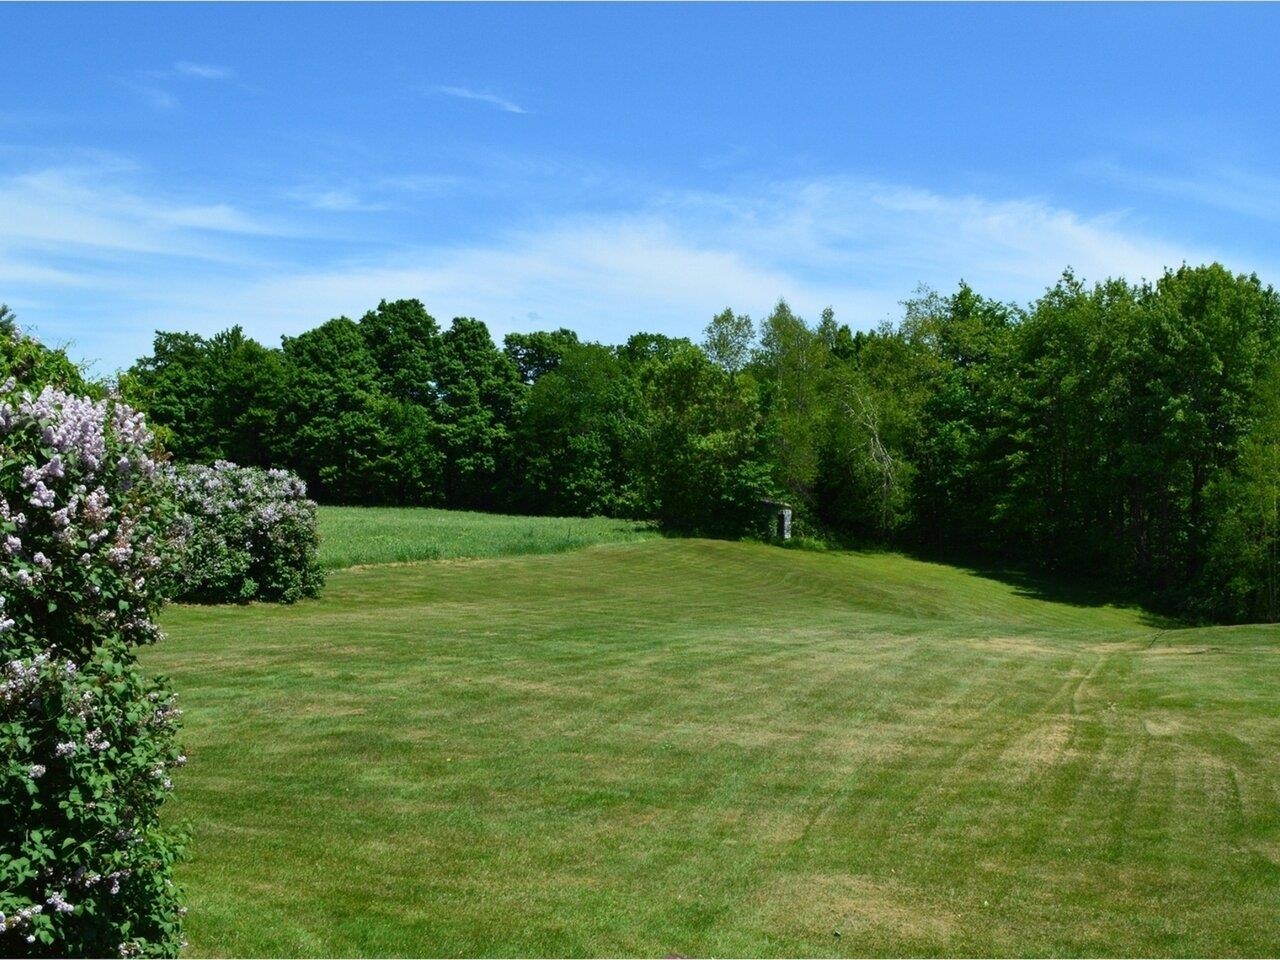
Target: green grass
[722, 749]
[354, 536]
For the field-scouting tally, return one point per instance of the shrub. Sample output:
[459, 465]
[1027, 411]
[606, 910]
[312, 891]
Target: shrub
[252, 535]
[87, 744]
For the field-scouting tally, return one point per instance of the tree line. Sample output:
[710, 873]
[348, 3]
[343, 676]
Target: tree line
[1123, 431]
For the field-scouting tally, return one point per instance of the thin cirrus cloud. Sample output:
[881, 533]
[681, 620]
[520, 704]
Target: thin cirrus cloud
[493, 100]
[203, 71]
[156, 97]
[333, 200]
[154, 83]
[861, 247]
[92, 213]
[376, 195]
[1222, 186]
[666, 264]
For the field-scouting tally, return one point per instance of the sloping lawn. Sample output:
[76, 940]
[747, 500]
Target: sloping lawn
[721, 749]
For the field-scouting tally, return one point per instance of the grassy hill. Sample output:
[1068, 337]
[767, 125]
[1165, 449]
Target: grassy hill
[722, 749]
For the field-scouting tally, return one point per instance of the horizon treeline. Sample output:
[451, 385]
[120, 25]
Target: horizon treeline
[1128, 433]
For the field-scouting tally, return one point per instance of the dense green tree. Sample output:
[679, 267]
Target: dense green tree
[698, 451]
[1130, 402]
[1206, 338]
[640, 348]
[335, 415]
[864, 478]
[962, 342]
[1242, 570]
[572, 436]
[537, 353]
[404, 341]
[727, 340]
[406, 344]
[215, 397]
[478, 387]
[792, 364]
[836, 337]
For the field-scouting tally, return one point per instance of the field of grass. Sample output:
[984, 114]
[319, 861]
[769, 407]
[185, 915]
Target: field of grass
[352, 536]
[710, 748]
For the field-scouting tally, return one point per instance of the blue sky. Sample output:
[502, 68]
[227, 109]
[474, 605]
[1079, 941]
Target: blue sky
[613, 168]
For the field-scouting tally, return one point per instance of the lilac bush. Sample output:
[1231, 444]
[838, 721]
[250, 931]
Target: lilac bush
[87, 743]
[252, 535]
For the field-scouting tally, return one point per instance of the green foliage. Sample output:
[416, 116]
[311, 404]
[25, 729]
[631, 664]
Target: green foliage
[791, 364]
[728, 339]
[864, 479]
[478, 387]
[87, 744]
[698, 453]
[33, 364]
[537, 353]
[572, 434]
[217, 398]
[1242, 575]
[964, 342]
[252, 535]
[1131, 408]
[334, 411]
[404, 341]
[640, 348]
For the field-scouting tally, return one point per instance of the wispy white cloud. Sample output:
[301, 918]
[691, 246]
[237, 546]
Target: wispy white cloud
[420, 184]
[88, 209]
[463, 93]
[666, 263]
[576, 273]
[152, 85]
[156, 97]
[333, 200]
[1221, 186]
[859, 246]
[375, 195]
[203, 71]
[15, 271]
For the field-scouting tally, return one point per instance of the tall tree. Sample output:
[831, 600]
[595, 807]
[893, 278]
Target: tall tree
[965, 339]
[336, 415]
[478, 386]
[727, 340]
[1241, 580]
[791, 365]
[216, 398]
[698, 448]
[404, 341]
[571, 437]
[535, 354]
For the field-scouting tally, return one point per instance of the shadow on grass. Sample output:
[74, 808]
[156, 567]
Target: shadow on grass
[1032, 584]
[1037, 585]
[1040, 585]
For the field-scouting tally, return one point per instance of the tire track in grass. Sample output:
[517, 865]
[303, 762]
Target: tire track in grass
[888, 785]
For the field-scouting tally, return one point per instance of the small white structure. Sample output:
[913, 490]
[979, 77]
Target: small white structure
[779, 518]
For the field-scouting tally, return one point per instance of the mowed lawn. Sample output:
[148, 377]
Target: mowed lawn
[711, 748]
